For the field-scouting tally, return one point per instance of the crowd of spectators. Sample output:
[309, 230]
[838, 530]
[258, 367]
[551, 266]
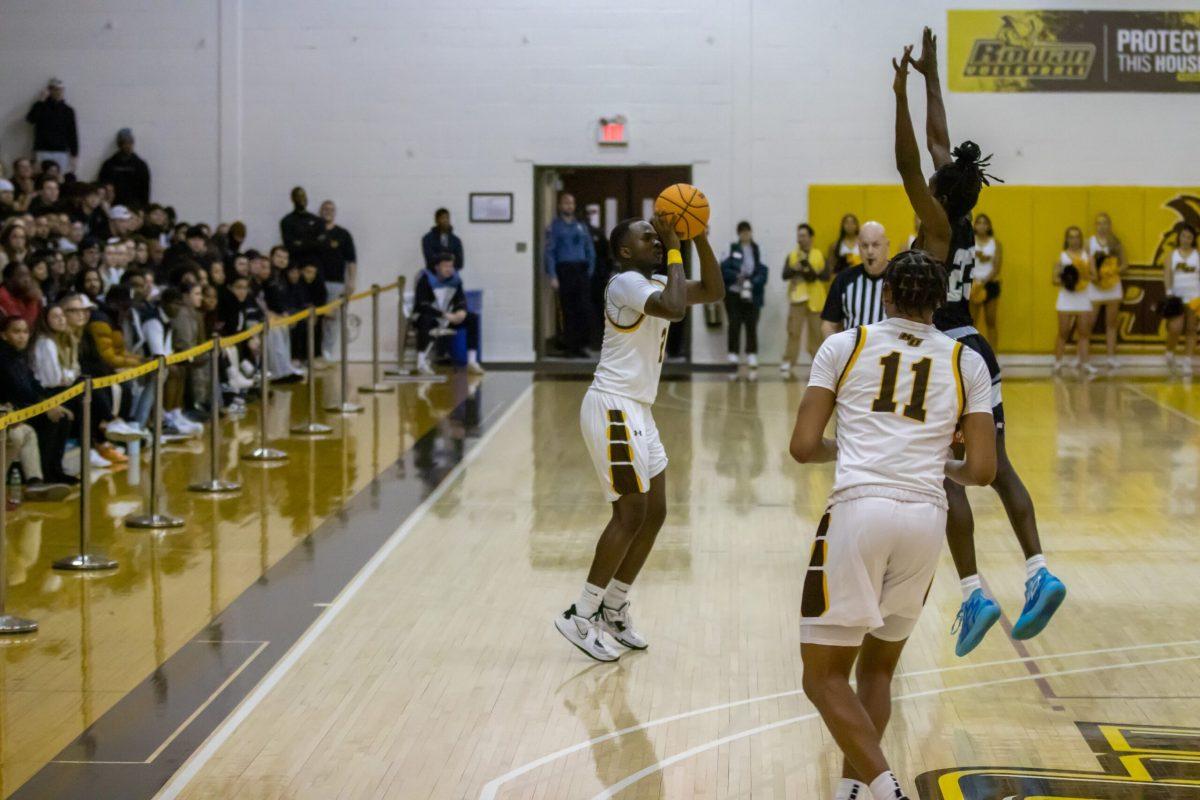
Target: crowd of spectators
[97, 277]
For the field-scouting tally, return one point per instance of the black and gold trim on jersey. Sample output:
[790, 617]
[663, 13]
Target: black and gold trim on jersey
[814, 600]
[860, 339]
[641, 317]
[621, 473]
[958, 378]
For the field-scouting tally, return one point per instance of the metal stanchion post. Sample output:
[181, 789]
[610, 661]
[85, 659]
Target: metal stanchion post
[83, 560]
[214, 484]
[264, 452]
[312, 427]
[153, 519]
[344, 405]
[376, 386]
[8, 623]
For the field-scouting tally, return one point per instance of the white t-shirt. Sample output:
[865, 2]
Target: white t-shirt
[901, 388]
[634, 342]
[1185, 274]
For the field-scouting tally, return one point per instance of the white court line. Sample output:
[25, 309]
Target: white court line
[1174, 411]
[223, 731]
[491, 789]
[686, 754]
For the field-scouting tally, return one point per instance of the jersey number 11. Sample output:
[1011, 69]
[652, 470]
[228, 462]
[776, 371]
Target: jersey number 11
[886, 402]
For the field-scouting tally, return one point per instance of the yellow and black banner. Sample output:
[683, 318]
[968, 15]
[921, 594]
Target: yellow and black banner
[1073, 51]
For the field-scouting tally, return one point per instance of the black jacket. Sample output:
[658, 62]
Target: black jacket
[53, 126]
[18, 385]
[130, 177]
[431, 246]
[300, 230]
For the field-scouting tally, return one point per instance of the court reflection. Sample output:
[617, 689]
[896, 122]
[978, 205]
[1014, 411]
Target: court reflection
[599, 698]
[102, 634]
[732, 430]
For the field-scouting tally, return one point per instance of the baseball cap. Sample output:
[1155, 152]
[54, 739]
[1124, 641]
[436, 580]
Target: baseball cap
[55, 83]
[120, 212]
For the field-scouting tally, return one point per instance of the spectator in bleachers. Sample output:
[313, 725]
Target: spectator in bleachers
[55, 136]
[90, 285]
[40, 234]
[439, 302]
[19, 387]
[14, 242]
[121, 221]
[127, 172]
[8, 207]
[229, 244]
[338, 262]
[23, 449]
[315, 294]
[23, 183]
[89, 253]
[113, 266]
[55, 351]
[300, 228]
[187, 331]
[570, 261]
[47, 200]
[44, 279]
[91, 212]
[273, 295]
[442, 239]
[192, 248]
[20, 295]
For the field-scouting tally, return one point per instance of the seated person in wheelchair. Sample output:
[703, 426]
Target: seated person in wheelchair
[440, 309]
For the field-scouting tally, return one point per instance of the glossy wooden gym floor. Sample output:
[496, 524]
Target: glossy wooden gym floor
[439, 674]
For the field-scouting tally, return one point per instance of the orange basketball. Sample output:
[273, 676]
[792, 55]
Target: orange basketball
[689, 203]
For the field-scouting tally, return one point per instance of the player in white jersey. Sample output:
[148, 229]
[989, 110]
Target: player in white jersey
[900, 389]
[618, 426]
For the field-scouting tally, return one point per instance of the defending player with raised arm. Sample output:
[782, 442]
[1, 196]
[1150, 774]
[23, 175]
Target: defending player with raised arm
[899, 388]
[618, 426]
[944, 206]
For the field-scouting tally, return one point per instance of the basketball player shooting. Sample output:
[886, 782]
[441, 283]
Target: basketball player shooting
[618, 426]
[899, 388]
[943, 206]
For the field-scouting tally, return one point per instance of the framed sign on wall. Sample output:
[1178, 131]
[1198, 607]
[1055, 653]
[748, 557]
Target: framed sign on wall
[491, 206]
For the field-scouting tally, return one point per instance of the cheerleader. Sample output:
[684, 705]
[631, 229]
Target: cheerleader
[1182, 279]
[1073, 274]
[1106, 291]
[985, 280]
[843, 253]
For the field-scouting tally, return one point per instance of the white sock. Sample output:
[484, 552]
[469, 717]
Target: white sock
[848, 789]
[1032, 565]
[886, 787]
[969, 585]
[752, 359]
[589, 600]
[733, 358]
[472, 357]
[617, 594]
[422, 360]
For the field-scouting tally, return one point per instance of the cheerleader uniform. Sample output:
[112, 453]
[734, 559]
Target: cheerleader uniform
[1075, 302]
[985, 267]
[1094, 292]
[1185, 275]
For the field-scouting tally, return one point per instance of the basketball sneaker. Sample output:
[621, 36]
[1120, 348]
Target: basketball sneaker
[1044, 593]
[586, 634]
[976, 615]
[617, 623]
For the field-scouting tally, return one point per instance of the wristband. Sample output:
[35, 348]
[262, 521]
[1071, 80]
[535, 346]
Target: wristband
[674, 257]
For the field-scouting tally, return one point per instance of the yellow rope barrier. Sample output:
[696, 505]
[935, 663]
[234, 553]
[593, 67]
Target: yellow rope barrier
[189, 354]
[29, 412]
[125, 375]
[238, 338]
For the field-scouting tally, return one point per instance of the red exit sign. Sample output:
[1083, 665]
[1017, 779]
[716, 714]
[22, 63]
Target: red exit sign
[612, 131]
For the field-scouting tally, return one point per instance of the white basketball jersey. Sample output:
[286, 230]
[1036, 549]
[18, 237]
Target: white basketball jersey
[634, 342]
[901, 388]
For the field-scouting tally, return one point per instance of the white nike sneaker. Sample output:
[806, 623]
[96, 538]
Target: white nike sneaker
[617, 623]
[586, 634]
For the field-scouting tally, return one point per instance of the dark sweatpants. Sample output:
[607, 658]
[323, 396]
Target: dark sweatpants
[574, 293]
[427, 322]
[742, 314]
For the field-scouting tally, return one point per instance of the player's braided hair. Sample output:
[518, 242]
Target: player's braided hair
[917, 282]
[961, 181]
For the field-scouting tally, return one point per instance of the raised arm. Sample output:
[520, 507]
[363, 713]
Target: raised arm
[934, 237]
[937, 130]
[671, 302]
[711, 286]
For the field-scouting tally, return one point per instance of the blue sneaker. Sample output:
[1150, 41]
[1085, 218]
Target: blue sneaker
[1044, 593]
[975, 617]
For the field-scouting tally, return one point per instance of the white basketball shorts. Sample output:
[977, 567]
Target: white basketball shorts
[623, 442]
[871, 568]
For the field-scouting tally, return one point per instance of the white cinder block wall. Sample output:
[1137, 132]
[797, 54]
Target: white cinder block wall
[396, 108]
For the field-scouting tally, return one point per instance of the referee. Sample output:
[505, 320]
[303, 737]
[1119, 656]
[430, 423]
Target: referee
[856, 294]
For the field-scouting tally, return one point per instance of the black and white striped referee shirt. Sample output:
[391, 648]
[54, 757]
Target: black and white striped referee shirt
[855, 298]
